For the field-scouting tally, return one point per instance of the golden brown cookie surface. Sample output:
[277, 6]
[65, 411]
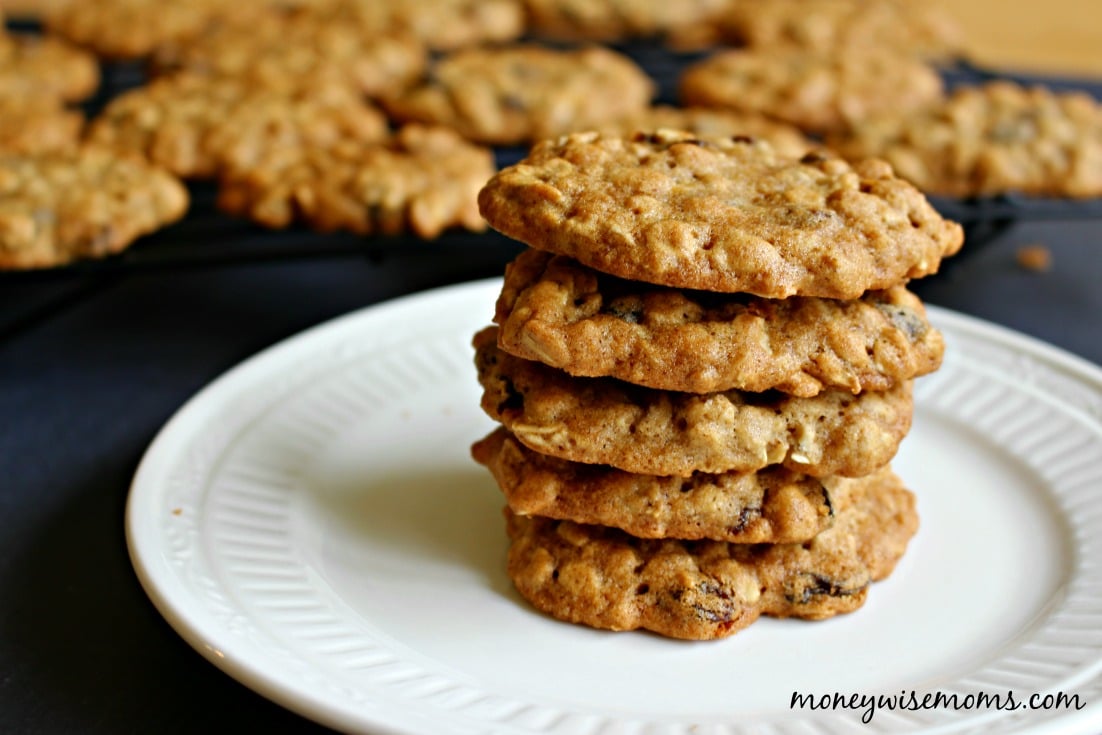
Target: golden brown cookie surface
[720, 214]
[991, 139]
[298, 47]
[195, 125]
[769, 506]
[607, 421]
[818, 92]
[617, 20]
[38, 124]
[423, 180]
[605, 578]
[786, 139]
[59, 207]
[442, 25]
[130, 29]
[34, 66]
[922, 29]
[523, 93]
[568, 316]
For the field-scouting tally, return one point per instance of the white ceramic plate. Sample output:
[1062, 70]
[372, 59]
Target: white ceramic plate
[311, 523]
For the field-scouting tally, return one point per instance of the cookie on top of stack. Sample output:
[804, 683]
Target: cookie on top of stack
[702, 368]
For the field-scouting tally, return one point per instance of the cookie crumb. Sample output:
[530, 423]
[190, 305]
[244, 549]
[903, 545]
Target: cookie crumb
[1037, 258]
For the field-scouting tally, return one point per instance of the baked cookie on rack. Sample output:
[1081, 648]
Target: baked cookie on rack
[617, 20]
[132, 29]
[817, 91]
[302, 46]
[423, 180]
[29, 9]
[926, 30]
[38, 66]
[522, 93]
[192, 124]
[990, 139]
[442, 25]
[59, 207]
[31, 124]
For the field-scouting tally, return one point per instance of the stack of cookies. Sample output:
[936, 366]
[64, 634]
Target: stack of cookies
[702, 368]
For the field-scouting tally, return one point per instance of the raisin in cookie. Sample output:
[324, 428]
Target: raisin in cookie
[720, 214]
[59, 207]
[516, 94]
[770, 506]
[555, 310]
[818, 92]
[423, 180]
[653, 432]
[992, 139]
[605, 578]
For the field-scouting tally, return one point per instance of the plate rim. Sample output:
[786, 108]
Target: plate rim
[194, 628]
[186, 625]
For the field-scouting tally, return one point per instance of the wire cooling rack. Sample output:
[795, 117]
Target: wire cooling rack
[207, 237]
